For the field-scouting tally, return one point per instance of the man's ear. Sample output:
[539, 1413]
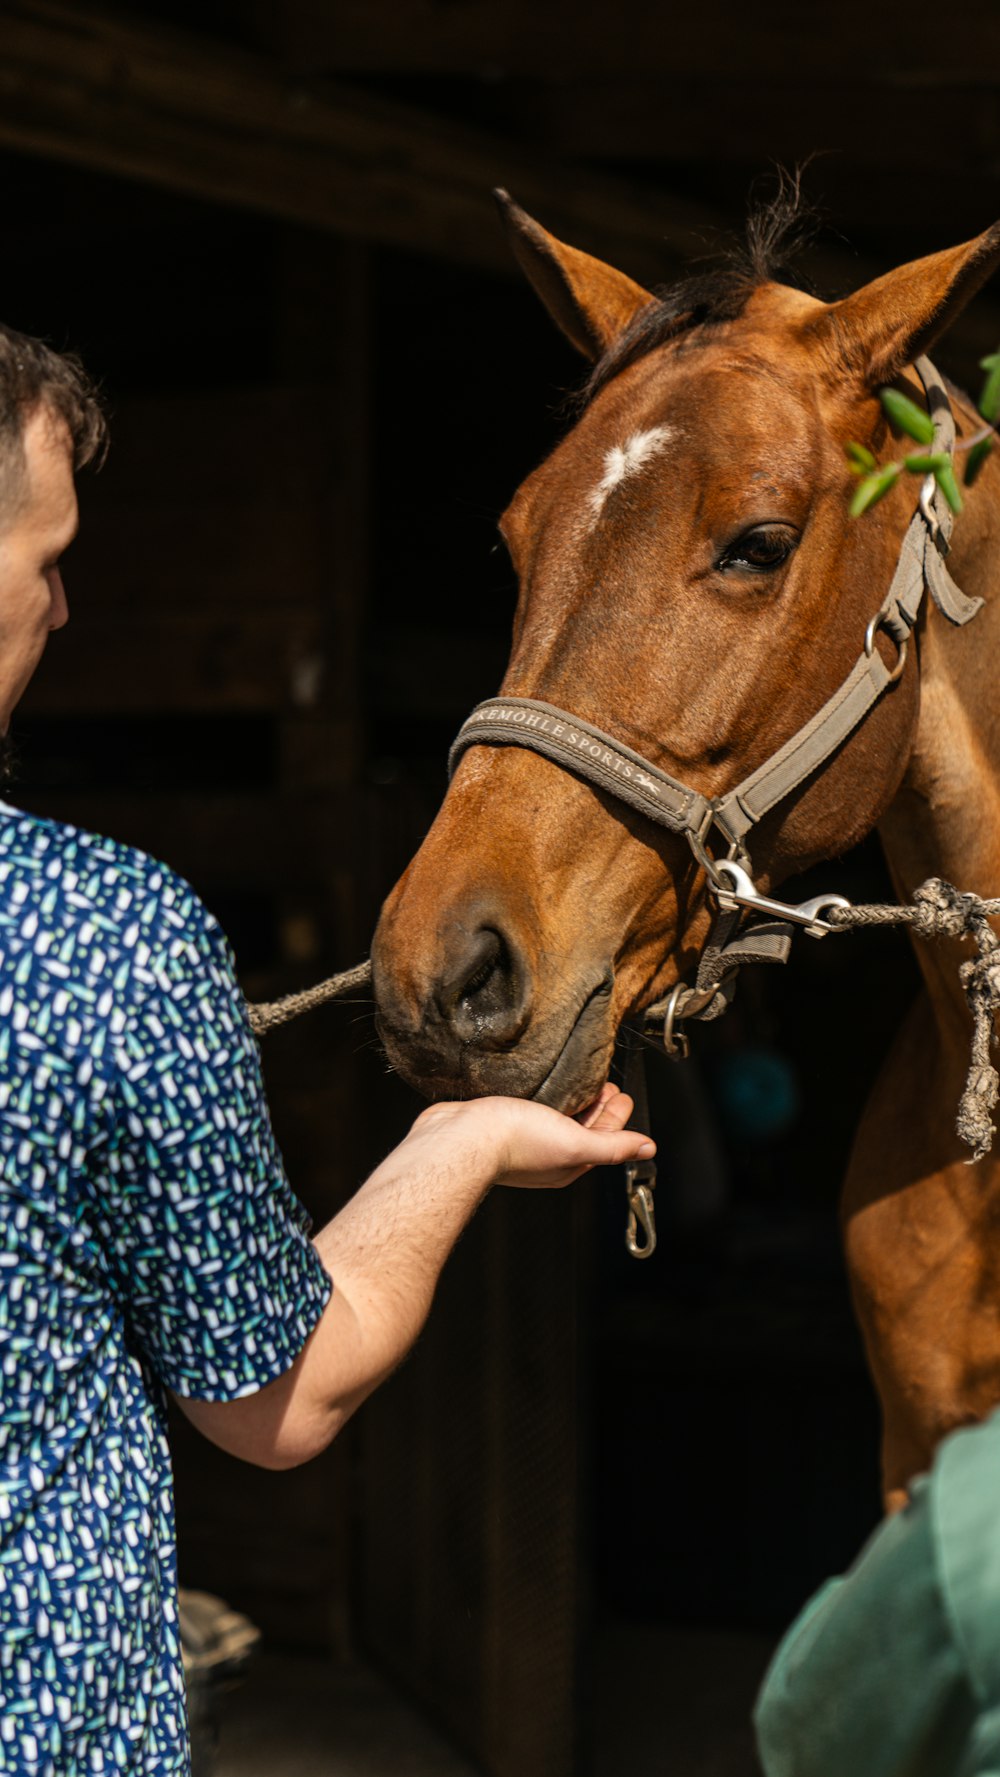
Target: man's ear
[589, 300]
[881, 329]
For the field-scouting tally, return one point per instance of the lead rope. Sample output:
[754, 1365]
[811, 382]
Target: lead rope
[942, 911]
[266, 1015]
[938, 910]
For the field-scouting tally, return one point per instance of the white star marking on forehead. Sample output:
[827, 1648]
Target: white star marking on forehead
[627, 459]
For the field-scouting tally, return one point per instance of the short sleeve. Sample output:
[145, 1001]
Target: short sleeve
[220, 1283]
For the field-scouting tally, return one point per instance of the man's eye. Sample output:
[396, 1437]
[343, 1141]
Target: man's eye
[759, 551]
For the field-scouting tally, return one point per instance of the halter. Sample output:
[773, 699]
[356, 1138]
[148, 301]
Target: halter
[591, 753]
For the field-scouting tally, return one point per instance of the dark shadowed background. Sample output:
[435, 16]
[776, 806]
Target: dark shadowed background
[267, 229]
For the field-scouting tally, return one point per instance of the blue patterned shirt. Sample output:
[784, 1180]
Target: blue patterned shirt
[148, 1241]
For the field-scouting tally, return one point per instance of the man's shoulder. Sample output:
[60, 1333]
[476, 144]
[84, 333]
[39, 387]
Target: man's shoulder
[53, 875]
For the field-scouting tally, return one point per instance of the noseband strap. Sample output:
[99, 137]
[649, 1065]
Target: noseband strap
[569, 741]
[591, 753]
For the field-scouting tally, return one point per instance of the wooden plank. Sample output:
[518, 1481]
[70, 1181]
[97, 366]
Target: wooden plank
[261, 842]
[262, 1540]
[469, 1541]
[210, 502]
[323, 301]
[156, 105]
[157, 554]
[426, 672]
[214, 444]
[183, 661]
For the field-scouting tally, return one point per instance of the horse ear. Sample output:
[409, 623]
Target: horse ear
[589, 300]
[888, 323]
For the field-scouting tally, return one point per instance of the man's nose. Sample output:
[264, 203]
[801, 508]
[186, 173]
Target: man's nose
[59, 615]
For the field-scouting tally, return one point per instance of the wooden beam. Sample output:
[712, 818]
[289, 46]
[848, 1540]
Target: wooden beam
[230, 127]
[227, 126]
[573, 39]
[179, 111]
[775, 117]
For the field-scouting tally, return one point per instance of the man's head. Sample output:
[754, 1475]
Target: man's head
[51, 424]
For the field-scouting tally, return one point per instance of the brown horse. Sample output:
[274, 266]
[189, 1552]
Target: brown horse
[691, 583]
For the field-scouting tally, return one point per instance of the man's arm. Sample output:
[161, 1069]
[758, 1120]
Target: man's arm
[385, 1252]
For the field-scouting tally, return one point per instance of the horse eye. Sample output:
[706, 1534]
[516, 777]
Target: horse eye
[759, 551]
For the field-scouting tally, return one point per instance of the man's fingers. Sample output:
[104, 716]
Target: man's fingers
[617, 1146]
[588, 1117]
[612, 1111]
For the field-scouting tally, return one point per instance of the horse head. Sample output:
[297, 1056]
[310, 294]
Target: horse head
[691, 583]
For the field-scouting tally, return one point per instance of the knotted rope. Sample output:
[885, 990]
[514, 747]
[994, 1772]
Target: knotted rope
[938, 910]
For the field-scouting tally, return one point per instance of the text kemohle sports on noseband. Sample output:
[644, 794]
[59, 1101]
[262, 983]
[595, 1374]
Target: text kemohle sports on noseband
[748, 926]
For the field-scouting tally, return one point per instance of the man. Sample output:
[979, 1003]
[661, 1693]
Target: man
[148, 1238]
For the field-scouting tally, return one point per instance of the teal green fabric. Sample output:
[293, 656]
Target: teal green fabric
[894, 1670]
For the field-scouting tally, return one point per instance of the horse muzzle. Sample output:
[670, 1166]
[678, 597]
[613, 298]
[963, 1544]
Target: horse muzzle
[481, 1023]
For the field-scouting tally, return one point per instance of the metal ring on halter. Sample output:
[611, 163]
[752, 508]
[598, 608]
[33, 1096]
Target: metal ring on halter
[676, 1042]
[879, 622]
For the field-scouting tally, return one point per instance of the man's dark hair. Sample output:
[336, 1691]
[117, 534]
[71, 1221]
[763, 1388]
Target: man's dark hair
[32, 375]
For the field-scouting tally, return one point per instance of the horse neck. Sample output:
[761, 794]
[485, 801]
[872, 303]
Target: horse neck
[945, 819]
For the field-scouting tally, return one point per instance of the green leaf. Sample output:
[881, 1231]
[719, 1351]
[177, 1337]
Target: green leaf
[927, 462]
[989, 400]
[874, 488]
[905, 414]
[945, 479]
[976, 458]
[860, 458]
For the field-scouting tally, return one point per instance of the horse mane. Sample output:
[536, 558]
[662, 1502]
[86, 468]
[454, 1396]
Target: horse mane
[775, 232]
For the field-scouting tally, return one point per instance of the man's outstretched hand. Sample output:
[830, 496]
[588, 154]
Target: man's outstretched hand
[527, 1144]
[385, 1249]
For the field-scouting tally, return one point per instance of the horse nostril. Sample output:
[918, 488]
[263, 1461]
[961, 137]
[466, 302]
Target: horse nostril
[482, 997]
[486, 970]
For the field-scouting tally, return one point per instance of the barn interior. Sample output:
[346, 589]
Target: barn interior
[561, 1542]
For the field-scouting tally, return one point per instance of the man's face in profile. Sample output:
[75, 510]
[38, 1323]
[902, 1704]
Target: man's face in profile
[38, 521]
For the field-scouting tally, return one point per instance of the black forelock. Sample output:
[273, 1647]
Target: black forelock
[775, 232]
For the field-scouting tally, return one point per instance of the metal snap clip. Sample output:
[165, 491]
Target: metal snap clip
[640, 1178]
[741, 891]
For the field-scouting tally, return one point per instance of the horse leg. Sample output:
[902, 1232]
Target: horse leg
[923, 1254]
